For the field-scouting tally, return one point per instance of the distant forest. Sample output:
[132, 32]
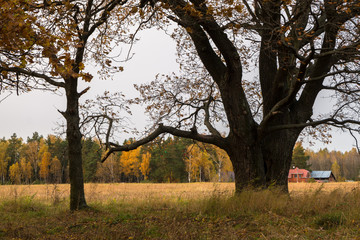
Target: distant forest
[345, 166]
[172, 159]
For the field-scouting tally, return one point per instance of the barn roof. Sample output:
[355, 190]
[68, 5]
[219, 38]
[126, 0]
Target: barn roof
[320, 174]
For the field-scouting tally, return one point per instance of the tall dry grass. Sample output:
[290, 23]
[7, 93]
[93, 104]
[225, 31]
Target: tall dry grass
[182, 211]
[296, 188]
[97, 192]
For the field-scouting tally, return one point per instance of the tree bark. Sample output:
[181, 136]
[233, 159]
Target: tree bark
[73, 134]
[260, 165]
[248, 164]
[277, 149]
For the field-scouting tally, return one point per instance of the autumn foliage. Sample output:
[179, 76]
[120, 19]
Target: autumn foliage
[166, 160]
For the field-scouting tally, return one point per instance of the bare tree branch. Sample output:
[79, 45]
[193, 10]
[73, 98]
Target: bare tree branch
[33, 74]
[165, 129]
[329, 121]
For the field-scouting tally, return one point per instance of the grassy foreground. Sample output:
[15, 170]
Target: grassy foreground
[182, 211]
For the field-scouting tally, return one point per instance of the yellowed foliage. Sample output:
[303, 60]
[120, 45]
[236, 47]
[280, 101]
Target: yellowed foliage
[198, 162]
[15, 173]
[130, 162]
[55, 169]
[3, 158]
[145, 165]
[25, 169]
[44, 166]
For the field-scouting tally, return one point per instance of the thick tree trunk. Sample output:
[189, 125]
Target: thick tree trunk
[260, 165]
[248, 165]
[277, 150]
[77, 195]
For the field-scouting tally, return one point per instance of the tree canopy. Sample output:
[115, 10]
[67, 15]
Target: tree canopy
[258, 66]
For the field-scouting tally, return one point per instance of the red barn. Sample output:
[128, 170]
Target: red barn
[298, 175]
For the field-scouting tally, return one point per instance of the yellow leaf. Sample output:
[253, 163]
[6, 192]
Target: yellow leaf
[81, 66]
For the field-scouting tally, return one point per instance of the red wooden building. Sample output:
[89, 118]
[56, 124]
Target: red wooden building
[298, 175]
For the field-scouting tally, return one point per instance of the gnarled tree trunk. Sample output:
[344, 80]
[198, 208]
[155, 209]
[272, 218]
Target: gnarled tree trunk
[260, 165]
[277, 150]
[248, 165]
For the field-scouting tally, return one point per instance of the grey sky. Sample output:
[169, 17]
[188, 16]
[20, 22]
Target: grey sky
[154, 53]
[37, 111]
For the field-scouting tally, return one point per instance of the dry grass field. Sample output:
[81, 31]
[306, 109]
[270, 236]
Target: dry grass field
[181, 211]
[97, 192]
[299, 188]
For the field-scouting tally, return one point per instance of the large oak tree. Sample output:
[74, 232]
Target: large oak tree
[296, 48]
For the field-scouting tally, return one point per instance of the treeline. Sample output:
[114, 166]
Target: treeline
[44, 160]
[172, 159]
[345, 166]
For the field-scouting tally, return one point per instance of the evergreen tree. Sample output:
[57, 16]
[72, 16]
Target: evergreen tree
[299, 159]
[13, 150]
[167, 164]
[35, 137]
[59, 149]
[91, 156]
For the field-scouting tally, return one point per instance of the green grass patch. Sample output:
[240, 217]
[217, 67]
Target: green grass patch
[330, 220]
[22, 205]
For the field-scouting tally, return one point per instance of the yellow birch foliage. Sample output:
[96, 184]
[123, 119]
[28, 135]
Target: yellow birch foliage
[55, 169]
[108, 171]
[224, 158]
[145, 165]
[26, 170]
[32, 154]
[192, 160]
[3, 159]
[206, 164]
[335, 168]
[43, 148]
[44, 165]
[52, 138]
[14, 173]
[224, 165]
[198, 163]
[130, 162]
[29, 171]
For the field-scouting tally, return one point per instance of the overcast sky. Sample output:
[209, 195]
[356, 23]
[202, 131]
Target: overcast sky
[154, 53]
[38, 111]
